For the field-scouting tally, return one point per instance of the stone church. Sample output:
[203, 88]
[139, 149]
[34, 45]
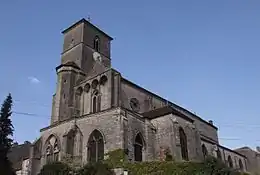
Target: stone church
[96, 110]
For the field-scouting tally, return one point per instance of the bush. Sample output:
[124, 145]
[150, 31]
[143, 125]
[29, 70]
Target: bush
[163, 168]
[215, 166]
[179, 168]
[55, 168]
[116, 158]
[96, 169]
[211, 166]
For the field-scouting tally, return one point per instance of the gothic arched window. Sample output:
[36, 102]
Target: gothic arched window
[219, 155]
[230, 162]
[97, 44]
[73, 143]
[95, 102]
[138, 147]
[204, 151]
[183, 142]
[52, 149]
[241, 167]
[95, 147]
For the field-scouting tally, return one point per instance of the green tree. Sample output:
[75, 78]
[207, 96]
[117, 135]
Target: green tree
[6, 130]
[98, 168]
[56, 168]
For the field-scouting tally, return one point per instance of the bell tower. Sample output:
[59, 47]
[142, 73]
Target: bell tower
[86, 52]
[81, 40]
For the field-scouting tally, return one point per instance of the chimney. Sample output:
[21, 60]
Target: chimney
[27, 142]
[258, 149]
[211, 122]
[15, 144]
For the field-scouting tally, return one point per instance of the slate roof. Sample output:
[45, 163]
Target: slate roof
[164, 111]
[68, 64]
[19, 153]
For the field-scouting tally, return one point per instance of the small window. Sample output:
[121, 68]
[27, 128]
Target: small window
[138, 148]
[230, 162]
[96, 44]
[219, 155]
[134, 104]
[204, 151]
[241, 167]
[96, 102]
[183, 142]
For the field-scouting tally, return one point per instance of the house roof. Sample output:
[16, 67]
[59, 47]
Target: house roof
[18, 153]
[68, 64]
[248, 149]
[223, 147]
[245, 147]
[164, 111]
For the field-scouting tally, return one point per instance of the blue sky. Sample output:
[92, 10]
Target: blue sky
[203, 55]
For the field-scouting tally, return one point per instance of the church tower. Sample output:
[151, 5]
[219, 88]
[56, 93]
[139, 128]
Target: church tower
[82, 41]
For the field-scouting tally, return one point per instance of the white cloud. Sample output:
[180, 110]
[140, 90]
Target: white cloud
[34, 80]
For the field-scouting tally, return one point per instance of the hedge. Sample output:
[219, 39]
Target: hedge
[117, 159]
[211, 166]
[55, 168]
[96, 169]
[173, 168]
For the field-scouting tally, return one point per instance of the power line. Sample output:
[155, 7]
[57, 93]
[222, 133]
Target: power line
[235, 139]
[32, 102]
[222, 125]
[31, 114]
[233, 125]
[158, 134]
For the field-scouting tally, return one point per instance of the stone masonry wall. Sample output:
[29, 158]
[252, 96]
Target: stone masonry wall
[104, 89]
[206, 130]
[147, 101]
[225, 152]
[107, 122]
[133, 126]
[167, 136]
[253, 159]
